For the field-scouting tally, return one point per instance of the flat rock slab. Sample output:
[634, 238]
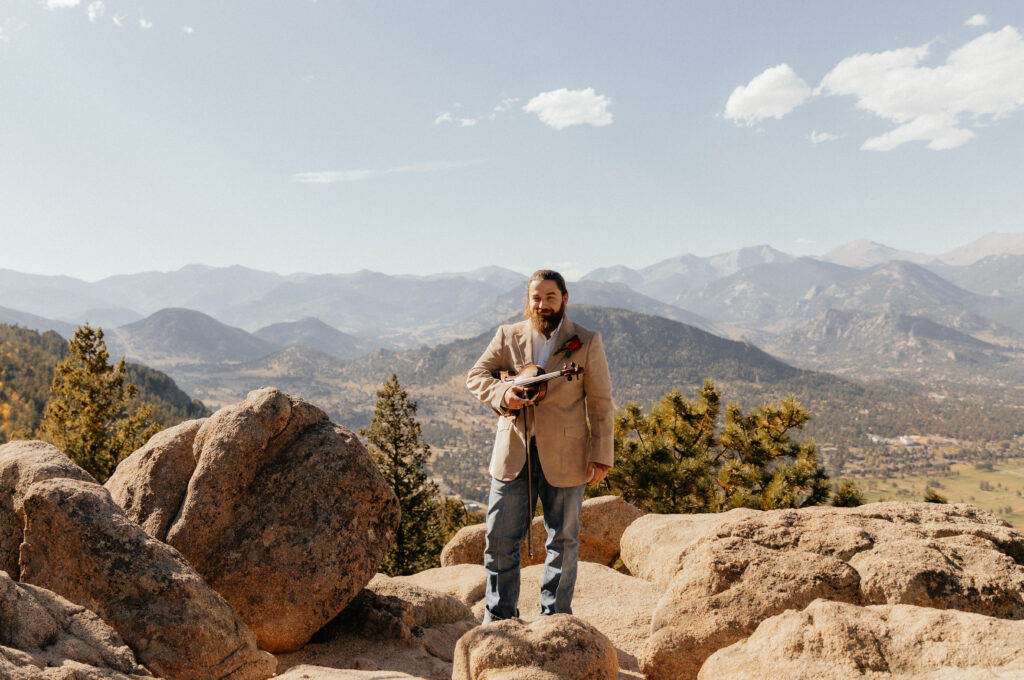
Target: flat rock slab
[284, 513]
[464, 582]
[308, 672]
[839, 641]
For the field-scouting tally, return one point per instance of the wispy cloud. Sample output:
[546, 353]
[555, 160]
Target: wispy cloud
[118, 20]
[335, 176]
[188, 30]
[941, 106]
[772, 94]
[977, 20]
[463, 121]
[145, 23]
[564, 108]
[60, 4]
[819, 137]
[804, 241]
[95, 10]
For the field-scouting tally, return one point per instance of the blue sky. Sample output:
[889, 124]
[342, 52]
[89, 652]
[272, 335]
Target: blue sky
[417, 137]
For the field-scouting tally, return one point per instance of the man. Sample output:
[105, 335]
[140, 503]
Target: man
[567, 437]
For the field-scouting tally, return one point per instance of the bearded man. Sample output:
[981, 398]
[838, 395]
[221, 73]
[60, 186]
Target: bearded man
[564, 443]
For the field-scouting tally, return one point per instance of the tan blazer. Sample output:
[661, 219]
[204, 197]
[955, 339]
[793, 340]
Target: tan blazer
[564, 442]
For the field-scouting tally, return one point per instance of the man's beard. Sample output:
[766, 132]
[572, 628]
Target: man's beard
[546, 323]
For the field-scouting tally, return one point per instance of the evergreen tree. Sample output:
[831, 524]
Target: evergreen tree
[87, 416]
[933, 496]
[401, 454]
[676, 459]
[847, 495]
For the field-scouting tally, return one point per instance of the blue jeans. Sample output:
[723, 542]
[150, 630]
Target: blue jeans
[509, 512]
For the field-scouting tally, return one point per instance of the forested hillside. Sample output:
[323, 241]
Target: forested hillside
[27, 360]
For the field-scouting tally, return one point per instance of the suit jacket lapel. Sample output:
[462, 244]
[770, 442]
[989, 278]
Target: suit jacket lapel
[556, 360]
[526, 342]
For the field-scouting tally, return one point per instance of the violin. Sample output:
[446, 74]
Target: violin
[534, 381]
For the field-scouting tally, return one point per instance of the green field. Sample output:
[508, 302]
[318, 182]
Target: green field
[993, 490]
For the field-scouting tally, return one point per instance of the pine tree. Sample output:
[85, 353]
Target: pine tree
[847, 495]
[401, 454]
[676, 458]
[87, 416]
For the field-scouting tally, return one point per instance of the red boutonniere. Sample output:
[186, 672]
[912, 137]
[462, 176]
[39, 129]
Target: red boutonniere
[570, 346]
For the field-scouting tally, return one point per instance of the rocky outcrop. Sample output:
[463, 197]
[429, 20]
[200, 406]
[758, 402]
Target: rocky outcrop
[654, 545]
[285, 513]
[310, 672]
[43, 636]
[429, 607]
[553, 647]
[464, 582]
[735, 572]
[602, 522]
[78, 543]
[838, 641]
[22, 464]
[150, 484]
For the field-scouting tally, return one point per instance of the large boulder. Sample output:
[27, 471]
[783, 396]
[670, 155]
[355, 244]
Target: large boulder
[22, 464]
[731, 574]
[44, 636]
[558, 647]
[727, 588]
[654, 545]
[837, 641]
[150, 484]
[79, 544]
[285, 513]
[602, 522]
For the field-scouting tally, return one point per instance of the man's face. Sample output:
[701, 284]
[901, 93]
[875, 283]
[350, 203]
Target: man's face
[546, 305]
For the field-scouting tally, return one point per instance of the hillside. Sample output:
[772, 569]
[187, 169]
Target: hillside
[312, 332]
[27, 360]
[175, 336]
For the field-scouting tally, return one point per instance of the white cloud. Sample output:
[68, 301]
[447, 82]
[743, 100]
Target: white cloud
[95, 10]
[563, 108]
[506, 104]
[144, 23]
[980, 81]
[335, 176]
[188, 29]
[819, 137]
[977, 20]
[118, 20]
[772, 94]
[447, 117]
[59, 4]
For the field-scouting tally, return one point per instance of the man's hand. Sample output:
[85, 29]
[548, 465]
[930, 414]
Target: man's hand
[596, 473]
[513, 399]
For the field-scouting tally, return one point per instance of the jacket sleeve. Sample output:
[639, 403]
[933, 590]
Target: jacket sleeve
[597, 386]
[481, 383]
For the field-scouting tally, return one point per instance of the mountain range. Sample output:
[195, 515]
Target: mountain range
[202, 315]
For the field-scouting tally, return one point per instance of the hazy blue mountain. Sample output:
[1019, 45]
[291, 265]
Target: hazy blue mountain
[198, 287]
[864, 344]
[311, 332]
[761, 295]
[183, 336]
[13, 317]
[862, 254]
